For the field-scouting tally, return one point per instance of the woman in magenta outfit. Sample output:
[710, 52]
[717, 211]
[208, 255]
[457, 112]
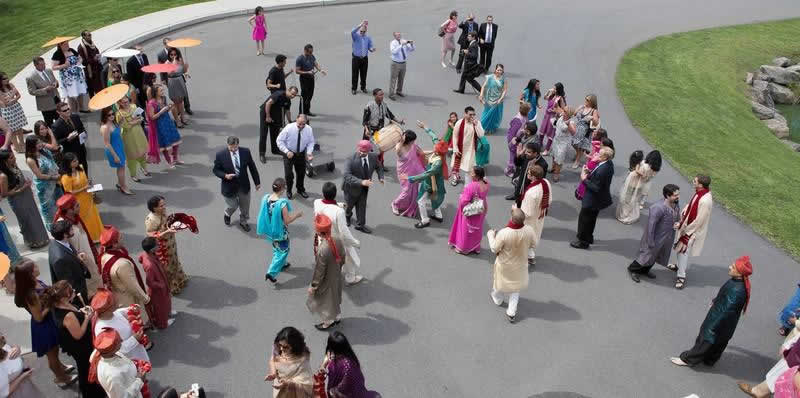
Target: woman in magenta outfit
[467, 231]
[345, 379]
[259, 24]
[409, 162]
[513, 128]
[556, 98]
[788, 384]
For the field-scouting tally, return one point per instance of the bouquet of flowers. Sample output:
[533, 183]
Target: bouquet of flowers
[144, 367]
[134, 316]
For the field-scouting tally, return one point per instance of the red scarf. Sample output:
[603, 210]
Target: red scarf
[545, 203]
[514, 226]
[691, 213]
[331, 243]
[77, 220]
[329, 202]
[116, 255]
[461, 136]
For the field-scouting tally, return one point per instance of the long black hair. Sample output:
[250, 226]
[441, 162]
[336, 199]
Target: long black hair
[410, 136]
[295, 339]
[6, 154]
[636, 157]
[339, 346]
[531, 87]
[654, 160]
[560, 90]
[66, 163]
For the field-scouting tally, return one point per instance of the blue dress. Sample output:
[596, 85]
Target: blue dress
[167, 131]
[530, 98]
[270, 224]
[119, 149]
[44, 334]
[7, 245]
[492, 113]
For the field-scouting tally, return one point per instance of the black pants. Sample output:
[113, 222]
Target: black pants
[465, 78]
[87, 389]
[460, 57]
[486, 55]
[298, 163]
[306, 92]
[637, 268]
[186, 105]
[49, 117]
[360, 65]
[360, 203]
[704, 352]
[587, 219]
[271, 129]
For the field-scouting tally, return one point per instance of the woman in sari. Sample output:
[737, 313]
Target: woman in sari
[161, 131]
[492, 94]
[45, 177]
[133, 139]
[343, 370]
[42, 131]
[74, 181]
[273, 218]
[531, 95]
[289, 366]
[634, 190]
[156, 226]
[409, 162]
[17, 188]
[467, 230]
[556, 99]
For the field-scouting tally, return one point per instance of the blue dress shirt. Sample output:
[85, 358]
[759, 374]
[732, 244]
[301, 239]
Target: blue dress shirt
[361, 43]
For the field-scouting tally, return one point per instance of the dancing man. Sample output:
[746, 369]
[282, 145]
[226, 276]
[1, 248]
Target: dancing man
[431, 187]
[339, 229]
[658, 235]
[535, 201]
[465, 142]
[511, 245]
[356, 182]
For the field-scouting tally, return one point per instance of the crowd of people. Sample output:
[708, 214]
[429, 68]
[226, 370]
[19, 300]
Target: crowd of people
[100, 302]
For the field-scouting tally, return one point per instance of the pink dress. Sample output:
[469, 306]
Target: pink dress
[448, 40]
[784, 386]
[259, 28]
[409, 164]
[590, 164]
[467, 232]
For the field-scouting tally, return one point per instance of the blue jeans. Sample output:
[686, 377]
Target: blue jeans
[790, 310]
[280, 253]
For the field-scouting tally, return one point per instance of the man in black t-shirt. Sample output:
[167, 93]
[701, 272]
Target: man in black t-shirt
[306, 66]
[276, 79]
[273, 112]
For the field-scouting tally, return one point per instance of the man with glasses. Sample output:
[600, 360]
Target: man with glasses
[71, 134]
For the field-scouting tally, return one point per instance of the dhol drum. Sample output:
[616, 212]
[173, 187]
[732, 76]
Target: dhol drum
[387, 137]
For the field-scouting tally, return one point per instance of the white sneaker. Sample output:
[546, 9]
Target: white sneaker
[170, 321]
[678, 361]
[497, 303]
[355, 280]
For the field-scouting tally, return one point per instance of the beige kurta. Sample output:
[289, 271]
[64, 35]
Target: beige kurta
[511, 265]
[531, 206]
[118, 376]
[632, 193]
[468, 148]
[124, 285]
[699, 227]
[80, 241]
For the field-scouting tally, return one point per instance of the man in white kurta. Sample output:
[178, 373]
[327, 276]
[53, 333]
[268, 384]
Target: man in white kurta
[466, 133]
[68, 210]
[108, 316]
[535, 202]
[511, 245]
[692, 227]
[115, 372]
[339, 229]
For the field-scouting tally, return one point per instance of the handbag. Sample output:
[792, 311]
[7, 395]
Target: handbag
[440, 33]
[473, 208]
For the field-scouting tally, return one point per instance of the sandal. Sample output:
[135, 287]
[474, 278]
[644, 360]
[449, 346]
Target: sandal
[146, 173]
[65, 384]
[672, 267]
[680, 283]
[321, 326]
[136, 179]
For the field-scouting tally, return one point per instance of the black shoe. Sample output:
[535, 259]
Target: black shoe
[421, 225]
[579, 244]
[458, 91]
[363, 228]
[270, 279]
[263, 158]
[348, 222]
[289, 194]
[353, 91]
[311, 114]
[303, 194]
[189, 111]
[458, 71]
[511, 319]
[227, 219]
[439, 219]
[245, 226]
[634, 276]
[364, 90]
[400, 94]
[511, 197]
[285, 267]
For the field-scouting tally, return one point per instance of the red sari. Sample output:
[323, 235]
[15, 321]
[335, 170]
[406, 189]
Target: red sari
[158, 289]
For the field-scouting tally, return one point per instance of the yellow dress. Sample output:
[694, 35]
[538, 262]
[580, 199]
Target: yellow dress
[88, 210]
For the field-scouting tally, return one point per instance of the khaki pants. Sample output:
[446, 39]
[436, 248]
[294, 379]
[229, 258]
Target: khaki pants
[398, 74]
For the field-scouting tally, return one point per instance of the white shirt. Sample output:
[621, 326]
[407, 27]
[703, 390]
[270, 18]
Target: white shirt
[287, 139]
[9, 370]
[66, 244]
[400, 51]
[339, 227]
[117, 375]
[488, 38]
[44, 76]
[365, 162]
[131, 347]
[236, 160]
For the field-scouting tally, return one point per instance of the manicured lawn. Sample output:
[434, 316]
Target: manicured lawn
[686, 94]
[27, 24]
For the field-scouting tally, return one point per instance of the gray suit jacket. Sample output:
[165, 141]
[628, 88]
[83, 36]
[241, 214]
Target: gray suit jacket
[65, 265]
[45, 99]
[354, 174]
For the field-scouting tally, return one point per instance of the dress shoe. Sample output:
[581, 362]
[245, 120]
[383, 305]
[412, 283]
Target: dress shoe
[400, 94]
[421, 225]
[227, 219]
[439, 219]
[634, 276]
[511, 197]
[289, 194]
[458, 91]
[263, 158]
[579, 244]
[511, 318]
[348, 222]
[245, 226]
[303, 194]
[353, 91]
[363, 228]
[364, 90]
[311, 114]
[270, 279]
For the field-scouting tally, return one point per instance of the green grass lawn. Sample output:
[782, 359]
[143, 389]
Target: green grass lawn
[686, 94]
[27, 24]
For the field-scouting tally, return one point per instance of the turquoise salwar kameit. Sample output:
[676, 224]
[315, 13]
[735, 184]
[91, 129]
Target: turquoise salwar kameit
[271, 225]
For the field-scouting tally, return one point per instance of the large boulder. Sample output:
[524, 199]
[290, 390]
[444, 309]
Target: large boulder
[761, 111]
[779, 75]
[794, 68]
[759, 91]
[778, 126]
[781, 94]
[782, 62]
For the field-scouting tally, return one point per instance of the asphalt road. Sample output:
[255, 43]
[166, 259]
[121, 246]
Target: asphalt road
[423, 324]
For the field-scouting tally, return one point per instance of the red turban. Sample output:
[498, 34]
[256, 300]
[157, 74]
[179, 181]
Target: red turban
[743, 265]
[106, 342]
[364, 146]
[103, 300]
[109, 236]
[66, 201]
[441, 147]
[322, 224]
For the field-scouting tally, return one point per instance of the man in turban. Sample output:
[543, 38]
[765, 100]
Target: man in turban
[356, 182]
[120, 273]
[117, 374]
[68, 209]
[107, 315]
[511, 245]
[431, 187]
[534, 201]
[722, 318]
[325, 292]
[692, 228]
[329, 207]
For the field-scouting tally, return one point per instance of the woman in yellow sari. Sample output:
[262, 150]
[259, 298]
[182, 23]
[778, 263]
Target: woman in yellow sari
[75, 181]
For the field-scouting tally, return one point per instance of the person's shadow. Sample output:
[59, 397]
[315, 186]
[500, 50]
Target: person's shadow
[374, 329]
[196, 335]
[552, 311]
[739, 364]
[209, 293]
[375, 289]
[566, 272]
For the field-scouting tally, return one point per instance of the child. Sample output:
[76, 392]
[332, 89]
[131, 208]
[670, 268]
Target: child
[259, 25]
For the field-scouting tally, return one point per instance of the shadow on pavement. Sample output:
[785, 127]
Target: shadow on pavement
[564, 271]
[398, 236]
[740, 364]
[562, 210]
[549, 311]
[377, 329]
[374, 289]
[196, 335]
[208, 293]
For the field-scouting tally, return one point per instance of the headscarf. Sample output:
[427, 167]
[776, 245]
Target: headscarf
[322, 225]
[364, 146]
[105, 343]
[743, 265]
[440, 149]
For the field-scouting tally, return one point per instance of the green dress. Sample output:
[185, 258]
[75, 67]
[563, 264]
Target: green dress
[133, 139]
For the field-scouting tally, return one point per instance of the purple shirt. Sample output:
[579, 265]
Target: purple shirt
[346, 380]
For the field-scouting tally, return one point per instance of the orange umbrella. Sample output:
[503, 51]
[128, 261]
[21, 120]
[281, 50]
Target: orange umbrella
[108, 96]
[184, 43]
[160, 68]
[5, 265]
[57, 40]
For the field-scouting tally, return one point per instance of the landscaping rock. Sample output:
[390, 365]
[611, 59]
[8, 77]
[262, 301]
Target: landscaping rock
[779, 75]
[749, 79]
[778, 126]
[781, 94]
[782, 62]
[761, 111]
[760, 93]
[795, 146]
[794, 68]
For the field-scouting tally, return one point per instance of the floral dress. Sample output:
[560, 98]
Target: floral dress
[73, 81]
[167, 252]
[47, 191]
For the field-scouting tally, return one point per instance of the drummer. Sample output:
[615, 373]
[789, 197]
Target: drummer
[375, 114]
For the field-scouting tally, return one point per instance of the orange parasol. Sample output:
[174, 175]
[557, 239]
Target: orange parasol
[5, 265]
[108, 96]
[184, 43]
[56, 40]
[160, 68]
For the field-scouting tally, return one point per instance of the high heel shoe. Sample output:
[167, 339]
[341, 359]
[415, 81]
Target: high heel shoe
[119, 188]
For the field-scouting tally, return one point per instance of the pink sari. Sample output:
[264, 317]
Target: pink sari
[591, 163]
[152, 134]
[784, 386]
[467, 232]
[409, 164]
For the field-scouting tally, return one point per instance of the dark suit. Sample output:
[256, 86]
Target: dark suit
[61, 131]
[355, 194]
[521, 174]
[471, 68]
[596, 198]
[466, 27]
[66, 266]
[487, 47]
[136, 76]
[236, 190]
[163, 57]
